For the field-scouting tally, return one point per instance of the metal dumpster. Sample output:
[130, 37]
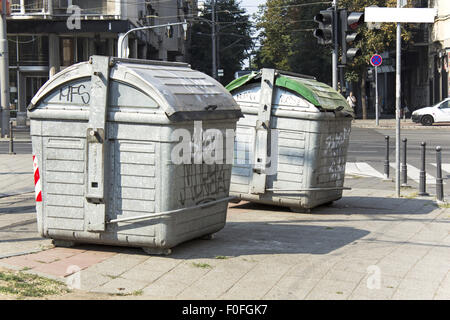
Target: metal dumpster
[104, 134]
[291, 145]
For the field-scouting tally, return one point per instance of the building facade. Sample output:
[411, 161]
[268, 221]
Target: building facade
[46, 36]
[425, 71]
[440, 51]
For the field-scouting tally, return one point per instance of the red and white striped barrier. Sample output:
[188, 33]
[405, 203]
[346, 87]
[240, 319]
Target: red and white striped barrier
[37, 180]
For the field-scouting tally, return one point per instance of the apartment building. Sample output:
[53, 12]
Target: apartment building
[440, 51]
[46, 36]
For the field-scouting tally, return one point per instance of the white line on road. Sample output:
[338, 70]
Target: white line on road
[445, 166]
[362, 169]
[414, 173]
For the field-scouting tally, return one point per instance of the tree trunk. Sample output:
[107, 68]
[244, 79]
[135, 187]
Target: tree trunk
[363, 94]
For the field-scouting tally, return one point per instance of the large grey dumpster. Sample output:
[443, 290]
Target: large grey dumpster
[291, 145]
[103, 133]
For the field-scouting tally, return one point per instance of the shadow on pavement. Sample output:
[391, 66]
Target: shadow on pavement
[355, 205]
[269, 237]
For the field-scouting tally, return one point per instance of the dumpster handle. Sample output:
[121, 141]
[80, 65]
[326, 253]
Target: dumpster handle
[154, 215]
[312, 189]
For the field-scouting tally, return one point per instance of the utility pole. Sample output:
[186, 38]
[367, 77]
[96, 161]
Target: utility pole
[214, 42]
[334, 58]
[399, 15]
[4, 73]
[398, 73]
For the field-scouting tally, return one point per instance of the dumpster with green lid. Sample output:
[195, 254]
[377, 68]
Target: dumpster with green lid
[291, 145]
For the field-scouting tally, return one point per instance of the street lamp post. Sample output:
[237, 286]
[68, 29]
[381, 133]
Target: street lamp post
[120, 50]
[213, 40]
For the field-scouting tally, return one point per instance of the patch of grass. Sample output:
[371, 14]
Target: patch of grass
[26, 269]
[112, 277]
[201, 265]
[138, 293]
[339, 292]
[329, 228]
[222, 257]
[134, 293]
[445, 205]
[23, 285]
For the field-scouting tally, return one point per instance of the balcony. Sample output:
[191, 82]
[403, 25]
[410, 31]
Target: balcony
[26, 9]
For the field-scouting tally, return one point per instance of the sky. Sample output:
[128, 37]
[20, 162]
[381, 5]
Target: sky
[251, 5]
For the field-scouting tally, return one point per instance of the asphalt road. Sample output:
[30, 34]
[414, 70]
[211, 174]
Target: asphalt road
[366, 145]
[21, 146]
[369, 146]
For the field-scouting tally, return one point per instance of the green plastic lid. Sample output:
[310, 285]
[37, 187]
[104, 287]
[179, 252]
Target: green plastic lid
[319, 94]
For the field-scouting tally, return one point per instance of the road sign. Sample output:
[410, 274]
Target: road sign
[220, 72]
[376, 60]
[400, 15]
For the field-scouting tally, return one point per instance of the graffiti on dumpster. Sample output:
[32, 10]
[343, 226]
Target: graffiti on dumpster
[202, 182]
[70, 92]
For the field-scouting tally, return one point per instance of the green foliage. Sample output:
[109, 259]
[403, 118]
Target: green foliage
[234, 39]
[286, 31]
[287, 41]
[373, 41]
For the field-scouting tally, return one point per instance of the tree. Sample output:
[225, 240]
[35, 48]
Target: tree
[287, 42]
[233, 38]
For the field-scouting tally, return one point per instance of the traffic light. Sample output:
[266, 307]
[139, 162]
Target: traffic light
[349, 34]
[324, 33]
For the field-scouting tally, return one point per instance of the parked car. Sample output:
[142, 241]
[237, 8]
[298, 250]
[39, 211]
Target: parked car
[440, 112]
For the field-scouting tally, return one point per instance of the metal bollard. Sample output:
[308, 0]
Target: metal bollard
[386, 160]
[404, 167]
[439, 183]
[11, 138]
[422, 174]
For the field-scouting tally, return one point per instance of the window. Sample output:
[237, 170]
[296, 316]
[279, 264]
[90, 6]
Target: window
[67, 52]
[445, 105]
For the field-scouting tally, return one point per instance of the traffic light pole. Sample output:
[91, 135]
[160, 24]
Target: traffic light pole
[4, 73]
[397, 106]
[213, 40]
[335, 48]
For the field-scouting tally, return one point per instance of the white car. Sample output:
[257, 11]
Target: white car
[440, 112]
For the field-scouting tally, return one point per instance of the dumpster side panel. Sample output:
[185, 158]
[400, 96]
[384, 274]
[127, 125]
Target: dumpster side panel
[196, 183]
[63, 174]
[134, 167]
[243, 154]
[332, 157]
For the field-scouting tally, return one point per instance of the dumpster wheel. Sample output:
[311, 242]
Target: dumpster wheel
[157, 251]
[63, 243]
[209, 236]
[300, 210]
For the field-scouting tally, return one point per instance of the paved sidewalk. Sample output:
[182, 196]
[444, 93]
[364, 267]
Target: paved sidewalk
[368, 245]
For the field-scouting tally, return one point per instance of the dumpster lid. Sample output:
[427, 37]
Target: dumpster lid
[315, 92]
[181, 92]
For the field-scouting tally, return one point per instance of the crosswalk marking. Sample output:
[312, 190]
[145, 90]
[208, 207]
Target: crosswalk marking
[414, 174]
[366, 170]
[362, 169]
[445, 166]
